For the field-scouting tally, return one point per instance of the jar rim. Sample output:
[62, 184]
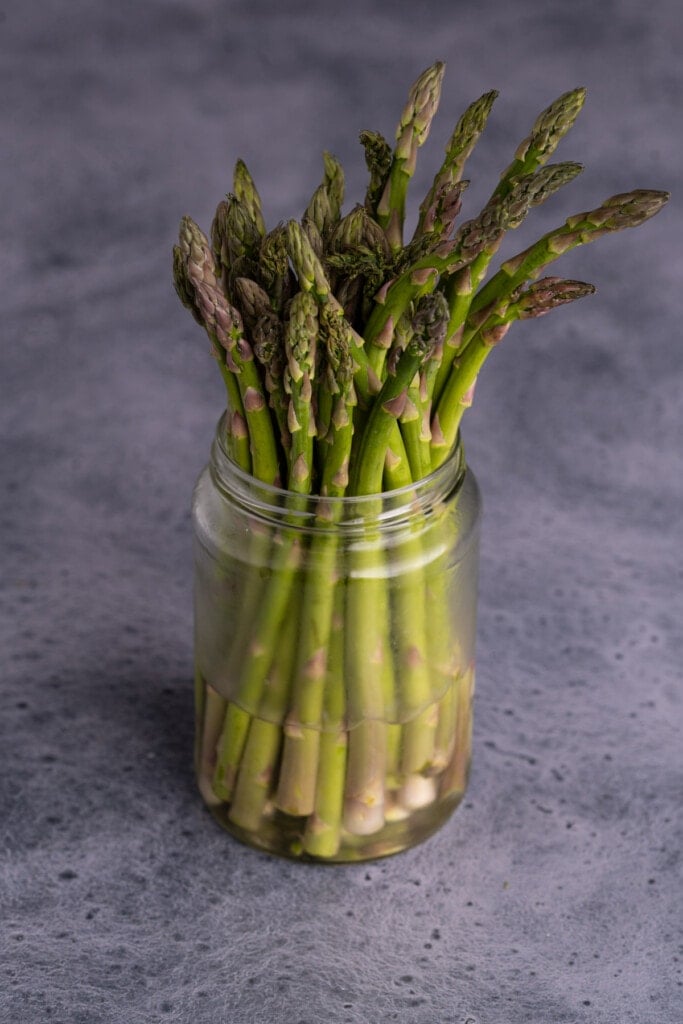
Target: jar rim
[270, 501]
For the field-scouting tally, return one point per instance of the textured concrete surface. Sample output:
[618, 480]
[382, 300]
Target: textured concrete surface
[553, 895]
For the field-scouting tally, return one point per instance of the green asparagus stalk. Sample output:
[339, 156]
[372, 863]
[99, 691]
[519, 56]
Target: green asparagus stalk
[411, 133]
[479, 236]
[625, 210]
[430, 320]
[378, 157]
[460, 145]
[491, 328]
[312, 278]
[256, 772]
[548, 130]
[358, 257]
[227, 328]
[298, 776]
[501, 213]
[368, 650]
[190, 265]
[551, 125]
[247, 194]
[392, 302]
[322, 836]
[300, 346]
[275, 274]
[440, 215]
[386, 412]
[324, 210]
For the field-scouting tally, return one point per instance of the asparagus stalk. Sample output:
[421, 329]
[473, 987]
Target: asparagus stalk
[275, 274]
[300, 346]
[324, 210]
[479, 236]
[227, 328]
[359, 257]
[191, 252]
[256, 770]
[247, 194]
[535, 150]
[430, 320]
[299, 775]
[491, 328]
[322, 835]
[551, 125]
[258, 763]
[268, 335]
[501, 213]
[411, 133]
[625, 210]
[378, 157]
[458, 150]
[323, 831]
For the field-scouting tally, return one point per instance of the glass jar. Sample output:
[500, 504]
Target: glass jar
[334, 654]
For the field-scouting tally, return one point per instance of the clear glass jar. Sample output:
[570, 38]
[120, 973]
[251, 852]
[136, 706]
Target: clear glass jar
[334, 653]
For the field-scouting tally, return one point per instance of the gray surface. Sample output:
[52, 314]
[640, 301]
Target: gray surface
[553, 895]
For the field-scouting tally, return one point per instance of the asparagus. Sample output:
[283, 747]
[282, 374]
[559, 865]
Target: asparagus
[323, 211]
[276, 276]
[411, 133]
[502, 212]
[625, 210]
[491, 328]
[460, 145]
[430, 321]
[378, 157]
[551, 125]
[349, 359]
[247, 194]
[191, 264]
[299, 779]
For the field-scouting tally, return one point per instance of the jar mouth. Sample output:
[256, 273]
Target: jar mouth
[351, 512]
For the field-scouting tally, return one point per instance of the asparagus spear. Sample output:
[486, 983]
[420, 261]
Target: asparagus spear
[411, 133]
[430, 320]
[359, 257]
[323, 830]
[378, 157]
[323, 211]
[312, 278]
[225, 324]
[274, 271]
[269, 349]
[504, 213]
[625, 210]
[421, 277]
[246, 192]
[551, 125]
[191, 264]
[491, 327]
[460, 145]
[300, 345]
[298, 775]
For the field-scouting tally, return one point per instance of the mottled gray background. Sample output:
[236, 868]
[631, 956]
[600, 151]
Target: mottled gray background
[553, 895]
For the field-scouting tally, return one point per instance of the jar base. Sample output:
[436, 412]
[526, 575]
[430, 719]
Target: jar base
[283, 835]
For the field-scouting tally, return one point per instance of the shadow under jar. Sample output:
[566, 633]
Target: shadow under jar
[334, 659]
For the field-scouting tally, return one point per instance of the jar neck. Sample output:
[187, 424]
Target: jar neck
[352, 513]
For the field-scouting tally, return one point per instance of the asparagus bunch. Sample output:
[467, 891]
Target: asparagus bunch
[349, 357]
